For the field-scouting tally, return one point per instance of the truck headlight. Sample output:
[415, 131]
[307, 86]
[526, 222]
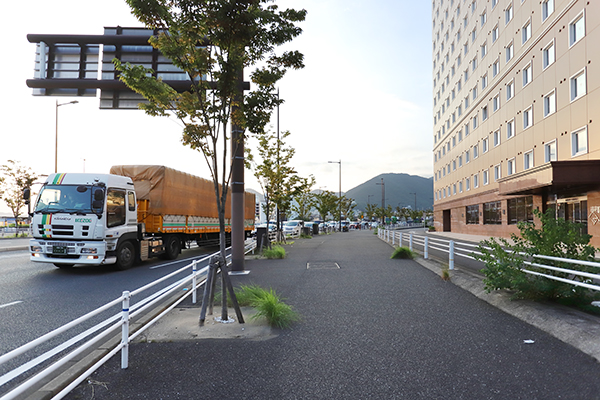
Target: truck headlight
[89, 250]
[36, 249]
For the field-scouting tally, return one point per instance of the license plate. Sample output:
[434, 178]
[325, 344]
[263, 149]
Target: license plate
[59, 250]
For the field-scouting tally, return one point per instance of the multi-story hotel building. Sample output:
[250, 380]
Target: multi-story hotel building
[516, 113]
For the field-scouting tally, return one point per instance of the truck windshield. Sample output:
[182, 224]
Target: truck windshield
[64, 198]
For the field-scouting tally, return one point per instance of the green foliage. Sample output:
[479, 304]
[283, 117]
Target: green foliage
[402, 252]
[268, 304]
[16, 179]
[305, 236]
[274, 252]
[326, 203]
[554, 237]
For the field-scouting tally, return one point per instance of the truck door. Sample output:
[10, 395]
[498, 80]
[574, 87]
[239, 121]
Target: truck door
[131, 208]
[115, 207]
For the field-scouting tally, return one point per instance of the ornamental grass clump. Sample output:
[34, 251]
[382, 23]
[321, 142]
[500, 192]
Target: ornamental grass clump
[274, 252]
[402, 252]
[268, 304]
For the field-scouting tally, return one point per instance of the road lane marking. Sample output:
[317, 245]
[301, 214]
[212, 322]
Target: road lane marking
[10, 304]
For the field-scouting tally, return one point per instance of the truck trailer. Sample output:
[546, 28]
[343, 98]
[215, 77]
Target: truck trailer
[134, 213]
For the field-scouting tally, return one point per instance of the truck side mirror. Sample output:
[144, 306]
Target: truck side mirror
[26, 195]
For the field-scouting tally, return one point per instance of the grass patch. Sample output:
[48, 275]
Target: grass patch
[304, 236]
[445, 274]
[268, 304]
[403, 252]
[274, 252]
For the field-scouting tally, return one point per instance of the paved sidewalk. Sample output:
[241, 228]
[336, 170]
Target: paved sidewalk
[373, 329]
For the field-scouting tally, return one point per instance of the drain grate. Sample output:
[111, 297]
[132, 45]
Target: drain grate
[322, 265]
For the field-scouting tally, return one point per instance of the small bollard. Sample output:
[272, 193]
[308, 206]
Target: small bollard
[451, 255]
[194, 282]
[426, 250]
[410, 241]
[125, 331]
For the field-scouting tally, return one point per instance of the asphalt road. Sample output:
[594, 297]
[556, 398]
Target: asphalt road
[36, 298]
[374, 328]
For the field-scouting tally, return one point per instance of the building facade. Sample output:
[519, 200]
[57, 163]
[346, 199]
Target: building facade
[516, 113]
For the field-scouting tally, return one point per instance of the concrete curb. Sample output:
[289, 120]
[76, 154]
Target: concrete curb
[574, 327]
[13, 248]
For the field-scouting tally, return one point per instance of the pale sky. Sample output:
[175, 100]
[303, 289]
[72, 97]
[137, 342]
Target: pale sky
[364, 97]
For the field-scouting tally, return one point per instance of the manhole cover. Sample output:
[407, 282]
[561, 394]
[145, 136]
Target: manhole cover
[322, 265]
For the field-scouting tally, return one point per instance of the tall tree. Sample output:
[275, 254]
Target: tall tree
[304, 202]
[326, 202]
[370, 211]
[213, 41]
[348, 206]
[16, 179]
[273, 170]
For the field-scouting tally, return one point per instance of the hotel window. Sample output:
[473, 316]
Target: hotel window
[495, 34]
[466, 74]
[510, 167]
[484, 81]
[526, 32]
[520, 209]
[508, 14]
[466, 48]
[458, 61]
[460, 162]
[453, 165]
[472, 213]
[468, 184]
[467, 156]
[578, 85]
[497, 172]
[510, 51]
[510, 129]
[579, 142]
[475, 181]
[475, 151]
[475, 122]
[550, 151]
[492, 213]
[453, 141]
[548, 55]
[483, 50]
[547, 8]
[454, 189]
[496, 102]
[527, 74]
[510, 90]
[495, 68]
[485, 145]
[550, 103]
[467, 102]
[484, 113]
[474, 92]
[486, 178]
[577, 29]
[466, 130]
[527, 117]
[497, 138]
[460, 136]
[528, 159]
[474, 64]
[473, 35]
[483, 18]
[460, 187]
[494, 3]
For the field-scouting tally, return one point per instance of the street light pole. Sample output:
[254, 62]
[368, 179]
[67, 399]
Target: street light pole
[340, 194]
[56, 133]
[415, 200]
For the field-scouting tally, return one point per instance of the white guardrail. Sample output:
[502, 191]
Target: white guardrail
[466, 250]
[105, 328]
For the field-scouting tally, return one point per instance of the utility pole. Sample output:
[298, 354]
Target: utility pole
[382, 201]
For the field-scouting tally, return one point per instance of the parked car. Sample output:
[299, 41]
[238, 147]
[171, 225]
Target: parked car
[293, 228]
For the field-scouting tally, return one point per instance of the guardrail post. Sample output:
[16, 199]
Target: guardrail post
[401, 238]
[425, 248]
[125, 331]
[194, 282]
[451, 255]
[394, 238]
[410, 241]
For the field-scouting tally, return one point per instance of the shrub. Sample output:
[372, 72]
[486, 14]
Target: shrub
[268, 304]
[402, 252]
[554, 237]
[274, 252]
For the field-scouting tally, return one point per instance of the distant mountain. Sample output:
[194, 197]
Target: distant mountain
[398, 189]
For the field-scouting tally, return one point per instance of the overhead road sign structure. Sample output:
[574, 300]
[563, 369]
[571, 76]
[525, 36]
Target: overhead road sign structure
[69, 65]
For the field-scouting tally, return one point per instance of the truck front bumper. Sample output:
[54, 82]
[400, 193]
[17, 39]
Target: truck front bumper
[69, 252]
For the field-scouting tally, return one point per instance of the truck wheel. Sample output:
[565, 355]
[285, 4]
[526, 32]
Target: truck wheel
[172, 247]
[63, 266]
[125, 256]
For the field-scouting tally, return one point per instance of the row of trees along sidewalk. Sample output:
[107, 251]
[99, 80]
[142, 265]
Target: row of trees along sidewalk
[213, 41]
[15, 178]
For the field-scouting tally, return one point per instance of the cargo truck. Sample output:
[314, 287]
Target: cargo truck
[134, 213]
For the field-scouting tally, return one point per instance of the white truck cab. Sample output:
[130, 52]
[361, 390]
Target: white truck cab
[85, 219]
